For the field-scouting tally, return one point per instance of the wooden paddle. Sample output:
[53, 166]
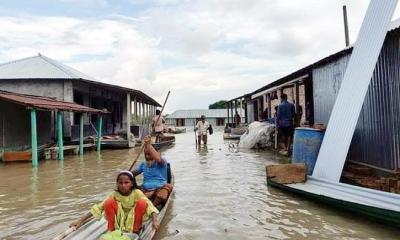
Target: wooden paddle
[142, 148]
[69, 231]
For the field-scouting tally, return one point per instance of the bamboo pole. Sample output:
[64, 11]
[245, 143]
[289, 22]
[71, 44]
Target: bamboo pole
[142, 148]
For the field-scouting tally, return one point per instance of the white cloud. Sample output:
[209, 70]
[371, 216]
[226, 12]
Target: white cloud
[202, 50]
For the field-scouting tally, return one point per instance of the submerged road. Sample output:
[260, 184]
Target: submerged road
[219, 194]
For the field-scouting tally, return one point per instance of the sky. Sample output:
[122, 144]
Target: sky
[201, 50]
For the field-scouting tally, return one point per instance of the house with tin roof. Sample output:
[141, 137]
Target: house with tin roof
[189, 118]
[42, 76]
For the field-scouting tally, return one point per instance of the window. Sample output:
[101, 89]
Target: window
[180, 122]
[220, 121]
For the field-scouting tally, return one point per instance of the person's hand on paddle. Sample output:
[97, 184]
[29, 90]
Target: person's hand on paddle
[155, 224]
[76, 224]
[147, 140]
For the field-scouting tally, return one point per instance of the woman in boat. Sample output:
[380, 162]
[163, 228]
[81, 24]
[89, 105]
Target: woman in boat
[125, 209]
[155, 175]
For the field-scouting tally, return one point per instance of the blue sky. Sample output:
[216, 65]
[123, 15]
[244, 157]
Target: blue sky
[201, 50]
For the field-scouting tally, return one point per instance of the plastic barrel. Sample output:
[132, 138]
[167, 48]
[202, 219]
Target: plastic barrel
[306, 144]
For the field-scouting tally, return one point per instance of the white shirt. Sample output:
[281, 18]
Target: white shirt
[202, 127]
[158, 125]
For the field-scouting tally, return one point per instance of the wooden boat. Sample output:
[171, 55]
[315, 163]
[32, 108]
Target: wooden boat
[24, 155]
[93, 229]
[374, 204]
[178, 130]
[17, 156]
[230, 136]
[165, 141]
[114, 143]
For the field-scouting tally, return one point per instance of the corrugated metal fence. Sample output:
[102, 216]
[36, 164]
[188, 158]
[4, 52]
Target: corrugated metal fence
[376, 139]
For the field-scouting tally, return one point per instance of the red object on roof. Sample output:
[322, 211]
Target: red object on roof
[45, 103]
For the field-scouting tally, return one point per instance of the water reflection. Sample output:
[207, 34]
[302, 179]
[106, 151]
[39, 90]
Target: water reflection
[202, 150]
[34, 185]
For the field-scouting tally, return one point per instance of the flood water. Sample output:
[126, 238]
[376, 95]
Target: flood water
[219, 194]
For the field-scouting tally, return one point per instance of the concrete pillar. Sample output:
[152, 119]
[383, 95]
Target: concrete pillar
[233, 120]
[128, 117]
[143, 112]
[227, 110]
[139, 109]
[241, 108]
[99, 132]
[269, 105]
[135, 108]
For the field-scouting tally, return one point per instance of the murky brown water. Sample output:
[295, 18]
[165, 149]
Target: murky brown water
[218, 195]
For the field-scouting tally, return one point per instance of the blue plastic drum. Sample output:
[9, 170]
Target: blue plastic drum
[306, 144]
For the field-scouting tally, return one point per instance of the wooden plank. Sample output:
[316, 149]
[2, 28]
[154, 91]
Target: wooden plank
[287, 173]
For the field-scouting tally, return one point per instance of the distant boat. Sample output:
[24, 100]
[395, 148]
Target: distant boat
[23, 155]
[178, 130]
[234, 133]
[17, 156]
[165, 141]
[229, 136]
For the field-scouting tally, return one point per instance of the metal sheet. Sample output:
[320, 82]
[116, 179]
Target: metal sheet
[346, 110]
[326, 84]
[45, 103]
[349, 193]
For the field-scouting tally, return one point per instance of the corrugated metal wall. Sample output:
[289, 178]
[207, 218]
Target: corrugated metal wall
[376, 139]
[326, 84]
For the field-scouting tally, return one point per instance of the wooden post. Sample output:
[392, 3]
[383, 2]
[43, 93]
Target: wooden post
[233, 120]
[269, 105]
[99, 130]
[135, 109]
[241, 108]
[81, 134]
[34, 138]
[236, 105]
[143, 113]
[60, 136]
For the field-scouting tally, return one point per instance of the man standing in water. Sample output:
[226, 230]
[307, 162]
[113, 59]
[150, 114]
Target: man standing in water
[285, 122]
[238, 119]
[203, 127]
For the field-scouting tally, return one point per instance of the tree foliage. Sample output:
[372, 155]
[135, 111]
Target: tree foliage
[218, 105]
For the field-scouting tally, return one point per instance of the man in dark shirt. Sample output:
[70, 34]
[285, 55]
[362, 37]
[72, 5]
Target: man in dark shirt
[285, 122]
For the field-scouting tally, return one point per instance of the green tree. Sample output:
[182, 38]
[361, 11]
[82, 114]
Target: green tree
[218, 105]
